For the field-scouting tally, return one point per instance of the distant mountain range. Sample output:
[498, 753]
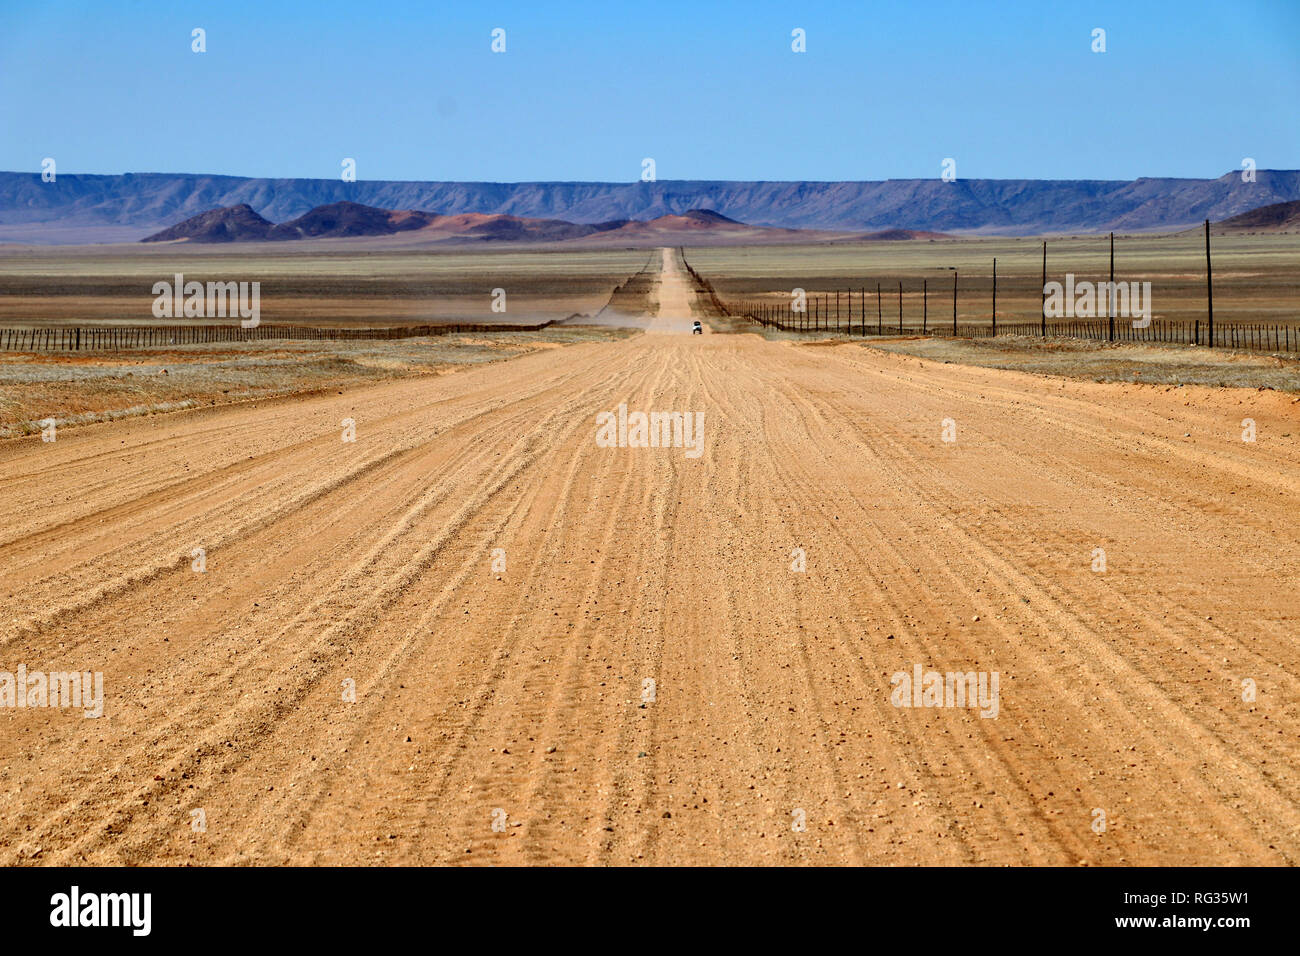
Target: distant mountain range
[79, 208]
[353, 220]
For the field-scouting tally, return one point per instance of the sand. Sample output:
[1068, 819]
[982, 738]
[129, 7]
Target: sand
[504, 716]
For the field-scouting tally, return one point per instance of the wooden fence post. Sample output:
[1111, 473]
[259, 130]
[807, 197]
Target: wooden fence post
[1109, 310]
[1043, 333]
[1209, 285]
[995, 296]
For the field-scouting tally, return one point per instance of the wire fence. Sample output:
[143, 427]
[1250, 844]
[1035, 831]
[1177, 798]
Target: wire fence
[846, 312]
[81, 339]
[863, 311]
[860, 312]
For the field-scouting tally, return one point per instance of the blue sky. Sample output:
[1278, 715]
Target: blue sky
[585, 91]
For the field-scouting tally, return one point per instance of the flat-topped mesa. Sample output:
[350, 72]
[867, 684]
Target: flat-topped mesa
[149, 202]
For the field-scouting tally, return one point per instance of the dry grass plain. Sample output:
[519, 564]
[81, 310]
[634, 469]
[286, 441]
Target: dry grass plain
[371, 282]
[320, 282]
[81, 388]
[516, 695]
[1173, 366]
[1256, 277]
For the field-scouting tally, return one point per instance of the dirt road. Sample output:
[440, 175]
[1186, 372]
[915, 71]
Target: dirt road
[504, 716]
[676, 299]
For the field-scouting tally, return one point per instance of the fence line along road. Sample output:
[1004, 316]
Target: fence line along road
[822, 313]
[79, 339]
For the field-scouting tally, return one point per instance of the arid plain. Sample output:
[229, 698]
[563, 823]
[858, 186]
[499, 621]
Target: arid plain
[476, 635]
